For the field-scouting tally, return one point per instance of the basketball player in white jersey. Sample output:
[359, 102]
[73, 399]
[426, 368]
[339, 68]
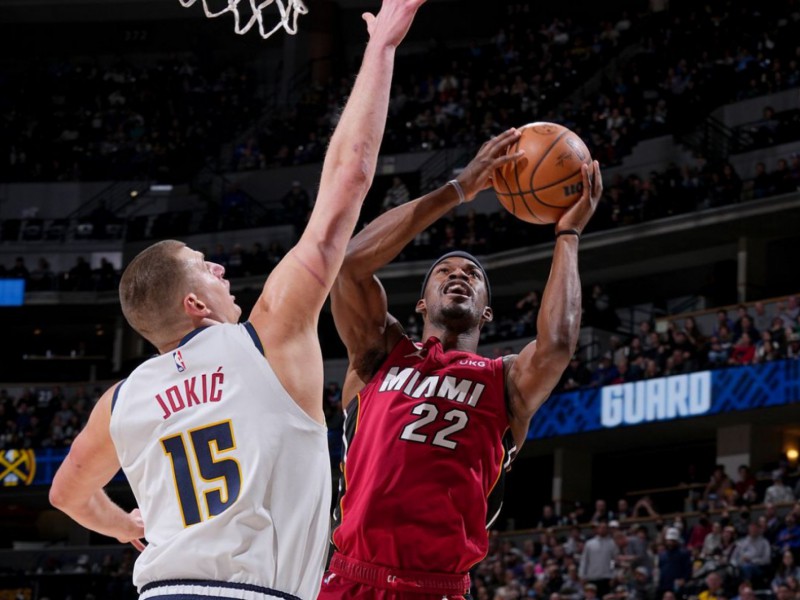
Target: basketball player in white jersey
[222, 434]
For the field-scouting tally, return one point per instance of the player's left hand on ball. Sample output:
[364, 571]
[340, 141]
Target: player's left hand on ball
[579, 214]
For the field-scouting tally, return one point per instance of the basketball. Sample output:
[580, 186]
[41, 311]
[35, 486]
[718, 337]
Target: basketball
[540, 186]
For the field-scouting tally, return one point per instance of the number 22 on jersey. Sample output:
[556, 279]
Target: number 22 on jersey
[429, 412]
[205, 445]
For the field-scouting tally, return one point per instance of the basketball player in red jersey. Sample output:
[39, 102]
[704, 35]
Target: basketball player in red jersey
[432, 425]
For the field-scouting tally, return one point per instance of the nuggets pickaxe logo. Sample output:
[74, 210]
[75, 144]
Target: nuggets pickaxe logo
[17, 467]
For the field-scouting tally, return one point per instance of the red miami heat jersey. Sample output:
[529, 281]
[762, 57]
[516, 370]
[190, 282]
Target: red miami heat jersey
[424, 458]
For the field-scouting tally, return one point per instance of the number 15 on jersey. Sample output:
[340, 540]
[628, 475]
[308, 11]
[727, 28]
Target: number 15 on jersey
[199, 460]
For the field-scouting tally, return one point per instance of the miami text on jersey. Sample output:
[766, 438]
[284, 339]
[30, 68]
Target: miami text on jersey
[194, 391]
[464, 391]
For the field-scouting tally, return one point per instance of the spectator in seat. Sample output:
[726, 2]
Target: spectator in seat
[624, 511]
[632, 550]
[726, 339]
[745, 325]
[42, 277]
[717, 355]
[699, 531]
[396, 195]
[641, 587]
[601, 512]
[743, 352]
[745, 592]
[778, 492]
[713, 588]
[762, 182]
[779, 335]
[773, 522]
[674, 564]
[718, 488]
[693, 333]
[761, 319]
[789, 537]
[787, 573]
[790, 311]
[596, 560]
[605, 372]
[722, 321]
[600, 311]
[549, 518]
[782, 180]
[745, 487]
[712, 541]
[571, 588]
[19, 270]
[296, 202]
[766, 349]
[79, 277]
[752, 555]
[573, 546]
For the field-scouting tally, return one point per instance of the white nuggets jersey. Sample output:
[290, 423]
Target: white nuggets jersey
[232, 477]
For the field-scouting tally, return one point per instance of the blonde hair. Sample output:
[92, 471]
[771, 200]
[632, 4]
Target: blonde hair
[151, 286]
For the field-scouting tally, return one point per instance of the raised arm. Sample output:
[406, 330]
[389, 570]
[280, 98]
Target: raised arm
[287, 311]
[78, 484]
[534, 372]
[358, 299]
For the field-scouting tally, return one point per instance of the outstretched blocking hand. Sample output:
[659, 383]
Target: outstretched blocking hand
[578, 216]
[392, 21]
[477, 175]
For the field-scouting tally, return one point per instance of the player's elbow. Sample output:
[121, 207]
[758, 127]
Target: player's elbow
[61, 494]
[354, 175]
[57, 496]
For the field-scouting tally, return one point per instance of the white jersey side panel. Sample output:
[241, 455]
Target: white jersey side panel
[232, 477]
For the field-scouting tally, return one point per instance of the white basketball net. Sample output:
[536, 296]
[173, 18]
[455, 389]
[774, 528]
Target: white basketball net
[289, 11]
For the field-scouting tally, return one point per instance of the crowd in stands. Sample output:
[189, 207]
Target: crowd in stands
[685, 63]
[745, 338]
[143, 118]
[724, 554]
[171, 115]
[81, 576]
[238, 262]
[80, 278]
[771, 129]
[80, 119]
[44, 417]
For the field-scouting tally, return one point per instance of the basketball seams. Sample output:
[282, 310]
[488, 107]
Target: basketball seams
[547, 187]
[516, 178]
[545, 155]
[550, 163]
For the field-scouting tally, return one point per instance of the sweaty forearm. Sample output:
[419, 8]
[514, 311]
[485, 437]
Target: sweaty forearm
[559, 321]
[383, 239]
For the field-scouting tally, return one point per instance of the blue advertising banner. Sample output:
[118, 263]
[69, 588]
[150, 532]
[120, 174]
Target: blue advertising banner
[667, 398]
